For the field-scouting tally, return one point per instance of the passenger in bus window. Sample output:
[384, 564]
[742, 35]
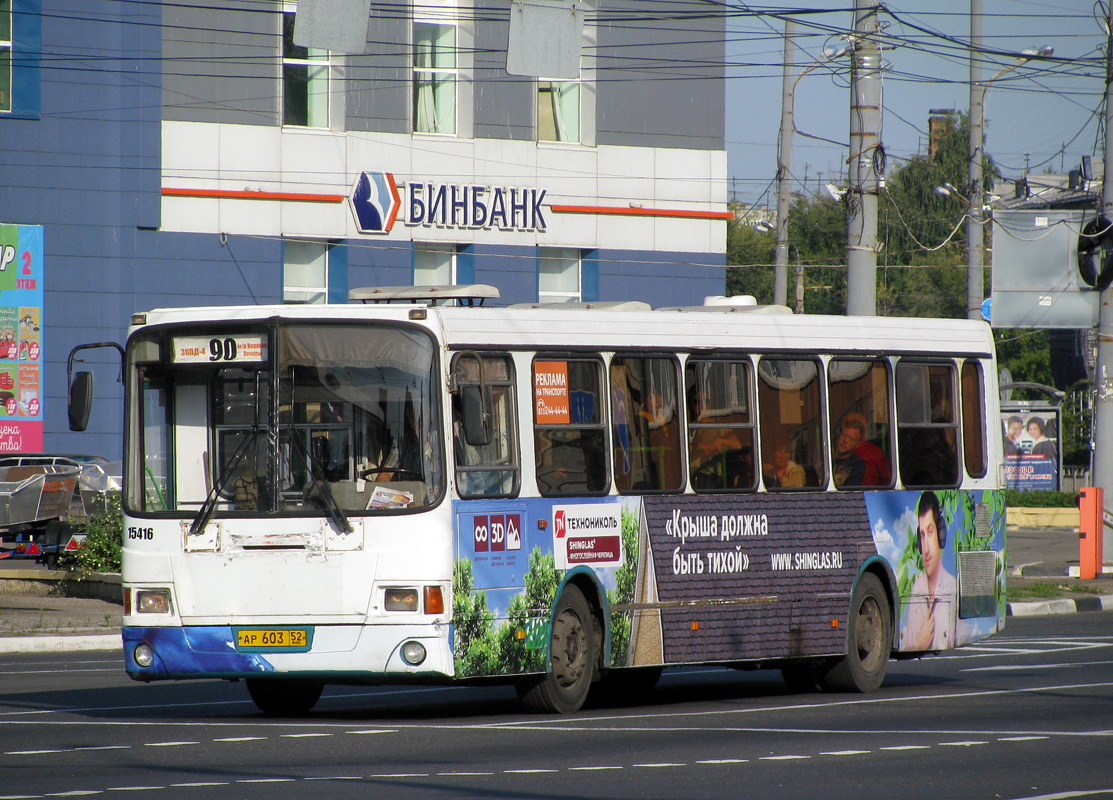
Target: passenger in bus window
[784, 472]
[934, 588]
[847, 467]
[878, 470]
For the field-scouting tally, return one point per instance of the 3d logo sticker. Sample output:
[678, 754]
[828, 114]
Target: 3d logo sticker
[375, 202]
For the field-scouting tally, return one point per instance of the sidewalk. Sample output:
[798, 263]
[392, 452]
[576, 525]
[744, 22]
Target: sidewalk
[33, 619]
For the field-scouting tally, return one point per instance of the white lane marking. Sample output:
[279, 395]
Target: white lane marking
[135, 788]
[787, 757]
[907, 747]
[303, 735]
[1013, 667]
[1067, 795]
[370, 732]
[242, 739]
[656, 766]
[401, 775]
[76, 793]
[461, 774]
[528, 771]
[89, 748]
[590, 769]
[961, 744]
[198, 784]
[1022, 738]
[267, 780]
[32, 752]
[336, 778]
[169, 744]
[724, 761]
[846, 753]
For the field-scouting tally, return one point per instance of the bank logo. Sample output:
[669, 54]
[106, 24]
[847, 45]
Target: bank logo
[375, 202]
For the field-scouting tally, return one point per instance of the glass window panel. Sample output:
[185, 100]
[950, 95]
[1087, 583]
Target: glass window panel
[861, 436]
[558, 277]
[791, 417]
[305, 272]
[434, 78]
[490, 470]
[973, 420]
[645, 425]
[305, 74]
[558, 111]
[927, 430]
[720, 427]
[434, 265]
[569, 438]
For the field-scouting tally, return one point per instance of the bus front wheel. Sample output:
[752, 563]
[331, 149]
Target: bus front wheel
[284, 697]
[869, 640]
[563, 689]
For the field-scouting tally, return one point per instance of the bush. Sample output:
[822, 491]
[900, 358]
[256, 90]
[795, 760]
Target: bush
[1015, 499]
[103, 548]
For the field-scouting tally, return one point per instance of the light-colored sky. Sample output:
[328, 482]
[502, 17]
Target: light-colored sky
[1043, 114]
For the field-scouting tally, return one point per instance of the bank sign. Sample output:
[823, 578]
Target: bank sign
[378, 201]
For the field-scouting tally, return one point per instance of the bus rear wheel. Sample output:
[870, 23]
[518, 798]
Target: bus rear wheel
[284, 697]
[869, 640]
[563, 689]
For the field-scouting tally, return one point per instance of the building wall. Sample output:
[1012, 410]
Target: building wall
[141, 97]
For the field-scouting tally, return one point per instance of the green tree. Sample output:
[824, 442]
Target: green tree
[528, 613]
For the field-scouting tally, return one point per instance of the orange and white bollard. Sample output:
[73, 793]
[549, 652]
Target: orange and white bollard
[1089, 532]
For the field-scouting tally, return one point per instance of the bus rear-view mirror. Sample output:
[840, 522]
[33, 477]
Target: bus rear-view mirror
[81, 400]
[477, 427]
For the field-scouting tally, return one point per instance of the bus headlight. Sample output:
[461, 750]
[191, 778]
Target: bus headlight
[413, 653]
[400, 599]
[152, 601]
[143, 654]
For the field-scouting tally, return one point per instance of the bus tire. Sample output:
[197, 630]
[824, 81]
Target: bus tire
[563, 689]
[869, 639]
[284, 697]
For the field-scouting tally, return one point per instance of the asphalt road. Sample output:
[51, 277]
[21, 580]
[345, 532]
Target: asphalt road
[1024, 715]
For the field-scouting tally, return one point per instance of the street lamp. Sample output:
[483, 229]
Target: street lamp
[975, 255]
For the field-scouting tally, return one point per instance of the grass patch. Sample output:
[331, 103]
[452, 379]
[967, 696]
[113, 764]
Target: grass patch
[1042, 591]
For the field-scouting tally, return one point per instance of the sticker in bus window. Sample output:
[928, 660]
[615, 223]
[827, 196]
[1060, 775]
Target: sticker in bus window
[209, 349]
[550, 392]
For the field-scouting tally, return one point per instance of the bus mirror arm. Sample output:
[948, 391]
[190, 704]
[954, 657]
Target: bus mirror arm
[81, 385]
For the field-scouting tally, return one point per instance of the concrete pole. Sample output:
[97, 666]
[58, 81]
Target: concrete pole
[1103, 390]
[784, 160]
[975, 255]
[865, 144]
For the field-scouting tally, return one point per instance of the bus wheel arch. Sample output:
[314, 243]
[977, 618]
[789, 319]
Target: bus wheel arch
[869, 639]
[573, 656]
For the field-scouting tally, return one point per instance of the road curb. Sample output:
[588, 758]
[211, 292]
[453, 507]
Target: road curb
[59, 644]
[1060, 606]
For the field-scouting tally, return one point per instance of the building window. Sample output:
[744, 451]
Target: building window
[5, 55]
[558, 111]
[304, 81]
[434, 264]
[435, 77]
[558, 275]
[305, 272]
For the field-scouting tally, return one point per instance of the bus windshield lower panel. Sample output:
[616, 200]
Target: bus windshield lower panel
[325, 416]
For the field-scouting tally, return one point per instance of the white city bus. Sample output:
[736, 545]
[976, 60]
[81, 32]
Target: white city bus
[551, 495]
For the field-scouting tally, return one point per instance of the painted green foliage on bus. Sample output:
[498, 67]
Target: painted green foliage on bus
[483, 648]
[623, 593]
[517, 643]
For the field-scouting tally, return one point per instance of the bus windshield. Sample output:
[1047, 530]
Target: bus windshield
[293, 418]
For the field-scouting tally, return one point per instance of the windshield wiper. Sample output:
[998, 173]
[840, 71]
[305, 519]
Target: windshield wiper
[207, 508]
[320, 492]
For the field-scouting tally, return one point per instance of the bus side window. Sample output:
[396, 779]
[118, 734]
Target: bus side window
[645, 426]
[790, 407]
[570, 450]
[927, 427]
[492, 469]
[720, 425]
[861, 436]
[973, 420]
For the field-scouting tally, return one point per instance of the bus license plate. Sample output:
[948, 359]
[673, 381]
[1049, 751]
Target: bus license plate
[272, 638]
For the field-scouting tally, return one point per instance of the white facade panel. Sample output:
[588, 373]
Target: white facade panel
[610, 195]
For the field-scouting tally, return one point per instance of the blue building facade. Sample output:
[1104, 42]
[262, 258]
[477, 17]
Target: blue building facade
[197, 152]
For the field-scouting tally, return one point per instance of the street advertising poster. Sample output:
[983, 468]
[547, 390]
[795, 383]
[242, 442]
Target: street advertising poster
[21, 339]
[1031, 449]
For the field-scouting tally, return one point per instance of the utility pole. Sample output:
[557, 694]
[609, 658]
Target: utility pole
[975, 252]
[784, 159]
[865, 163]
[1103, 379]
